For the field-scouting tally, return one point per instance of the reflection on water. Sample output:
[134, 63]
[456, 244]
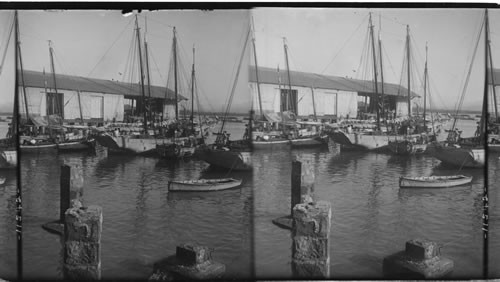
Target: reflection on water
[8, 241]
[142, 221]
[371, 216]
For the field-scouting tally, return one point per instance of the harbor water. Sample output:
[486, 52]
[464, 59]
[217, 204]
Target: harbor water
[371, 216]
[142, 221]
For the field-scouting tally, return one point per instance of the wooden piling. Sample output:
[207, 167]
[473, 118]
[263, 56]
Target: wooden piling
[82, 243]
[70, 195]
[310, 247]
[302, 190]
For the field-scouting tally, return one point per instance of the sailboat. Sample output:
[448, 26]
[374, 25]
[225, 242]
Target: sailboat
[186, 149]
[291, 135]
[223, 153]
[468, 152]
[416, 144]
[8, 151]
[376, 139]
[146, 142]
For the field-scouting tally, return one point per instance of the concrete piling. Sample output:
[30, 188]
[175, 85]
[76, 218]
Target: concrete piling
[190, 262]
[310, 247]
[82, 243]
[419, 260]
[70, 195]
[302, 190]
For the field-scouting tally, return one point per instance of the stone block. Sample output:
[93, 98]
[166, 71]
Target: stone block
[402, 266]
[311, 269]
[82, 253]
[310, 248]
[193, 254]
[421, 249]
[312, 219]
[82, 272]
[173, 268]
[83, 224]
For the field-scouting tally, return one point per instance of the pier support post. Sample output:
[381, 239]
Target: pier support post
[310, 248]
[419, 260]
[82, 243]
[302, 189]
[70, 195]
[190, 262]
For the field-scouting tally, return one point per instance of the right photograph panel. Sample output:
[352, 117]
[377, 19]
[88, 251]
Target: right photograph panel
[370, 141]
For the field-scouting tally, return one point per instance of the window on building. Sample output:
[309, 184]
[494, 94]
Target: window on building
[289, 100]
[55, 104]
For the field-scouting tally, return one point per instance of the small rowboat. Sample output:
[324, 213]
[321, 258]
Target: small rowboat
[204, 184]
[434, 181]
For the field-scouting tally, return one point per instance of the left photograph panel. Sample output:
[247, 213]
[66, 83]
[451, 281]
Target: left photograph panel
[8, 153]
[134, 145]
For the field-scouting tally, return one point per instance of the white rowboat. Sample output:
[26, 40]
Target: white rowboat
[204, 184]
[434, 181]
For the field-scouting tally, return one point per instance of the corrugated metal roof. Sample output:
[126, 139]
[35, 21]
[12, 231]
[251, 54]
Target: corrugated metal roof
[304, 79]
[496, 77]
[69, 82]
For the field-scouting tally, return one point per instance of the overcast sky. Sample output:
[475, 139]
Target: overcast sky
[332, 42]
[97, 44]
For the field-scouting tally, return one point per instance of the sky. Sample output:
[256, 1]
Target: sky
[331, 41]
[97, 44]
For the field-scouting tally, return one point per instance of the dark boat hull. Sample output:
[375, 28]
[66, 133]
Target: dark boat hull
[222, 158]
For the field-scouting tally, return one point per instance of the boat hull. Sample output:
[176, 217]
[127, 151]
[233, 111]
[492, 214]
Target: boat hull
[459, 156]
[271, 144]
[494, 147]
[42, 148]
[204, 185]
[434, 181]
[174, 151]
[73, 146]
[359, 140]
[136, 144]
[315, 141]
[227, 159]
[404, 147]
[8, 159]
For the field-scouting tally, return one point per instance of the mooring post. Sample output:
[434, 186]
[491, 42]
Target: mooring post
[310, 247]
[420, 259]
[302, 190]
[71, 189]
[302, 183]
[82, 243]
[190, 262]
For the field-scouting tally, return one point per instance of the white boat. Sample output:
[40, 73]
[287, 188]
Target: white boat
[359, 140]
[204, 184]
[270, 142]
[310, 141]
[434, 181]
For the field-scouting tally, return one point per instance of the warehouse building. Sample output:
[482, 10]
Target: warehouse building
[94, 100]
[321, 95]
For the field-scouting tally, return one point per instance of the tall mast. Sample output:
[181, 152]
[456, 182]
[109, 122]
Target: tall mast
[408, 59]
[146, 55]
[375, 72]
[314, 102]
[142, 76]
[45, 88]
[18, 49]
[483, 120]
[288, 74]
[381, 69]
[175, 76]
[425, 84]
[493, 83]
[53, 70]
[257, 72]
[192, 94]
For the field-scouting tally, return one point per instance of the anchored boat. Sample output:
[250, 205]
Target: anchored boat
[434, 181]
[201, 185]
